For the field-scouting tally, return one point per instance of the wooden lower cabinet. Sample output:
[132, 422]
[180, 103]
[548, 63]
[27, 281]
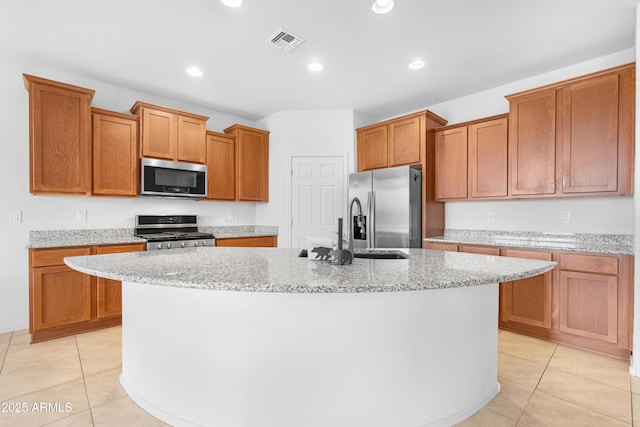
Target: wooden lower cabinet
[259, 241]
[596, 301]
[63, 301]
[585, 302]
[108, 291]
[527, 303]
[62, 296]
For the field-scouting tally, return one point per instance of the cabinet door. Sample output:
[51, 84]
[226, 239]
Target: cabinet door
[252, 166]
[372, 148]
[589, 135]
[192, 134]
[589, 305]
[60, 137]
[60, 296]
[451, 163]
[221, 170]
[488, 159]
[115, 155]
[527, 301]
[532, 144]
[260, 241]
[159, 134]
[404, 142]
[109, 292]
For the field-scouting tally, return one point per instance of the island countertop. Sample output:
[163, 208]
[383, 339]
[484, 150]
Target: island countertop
[281, 270]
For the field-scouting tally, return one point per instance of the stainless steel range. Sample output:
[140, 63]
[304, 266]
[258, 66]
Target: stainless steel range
[171, 232]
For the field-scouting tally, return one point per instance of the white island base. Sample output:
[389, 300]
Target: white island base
[226, 358]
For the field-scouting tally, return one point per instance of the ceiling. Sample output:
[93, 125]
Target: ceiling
[468, 45]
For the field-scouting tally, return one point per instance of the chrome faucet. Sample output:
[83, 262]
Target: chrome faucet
[359, 221]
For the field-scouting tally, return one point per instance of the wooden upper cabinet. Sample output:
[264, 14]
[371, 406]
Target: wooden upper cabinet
[115, 153]
[158, 135]
[221, 166]
[191, 140]
[405, 141]
[471, 159]
[252, 163]
[451, 160]
[589, 139]
[574, 137]
[59, 136]
[171, 134]
[372, 148]
[395, 142]
[488, 158]
[532, 143]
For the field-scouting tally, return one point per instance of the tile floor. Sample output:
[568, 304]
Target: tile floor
[543, 384]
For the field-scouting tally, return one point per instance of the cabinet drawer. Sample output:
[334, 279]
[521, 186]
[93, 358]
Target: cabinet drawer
[482, 250]
[452, 247]
[46, 257]
[118, 249]
[589, 263]
[516, 253]
[261, 241]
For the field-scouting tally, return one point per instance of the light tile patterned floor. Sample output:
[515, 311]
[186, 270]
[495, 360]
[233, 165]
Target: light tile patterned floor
[543, 384]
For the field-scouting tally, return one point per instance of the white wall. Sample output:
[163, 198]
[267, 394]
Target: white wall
[301, 133]
[597, 215]
[58, 212]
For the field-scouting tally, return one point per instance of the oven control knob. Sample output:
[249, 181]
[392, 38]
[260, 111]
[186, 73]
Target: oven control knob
[159, 245]
[169, 245]
[183, 244]
[204, 243]
[195, 243]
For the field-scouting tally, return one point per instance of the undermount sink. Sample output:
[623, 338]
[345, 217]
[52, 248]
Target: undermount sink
[381, 255]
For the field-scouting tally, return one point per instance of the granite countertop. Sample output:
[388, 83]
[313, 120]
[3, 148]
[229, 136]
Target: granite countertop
[615, 244]
[114, 236]
[281, 270]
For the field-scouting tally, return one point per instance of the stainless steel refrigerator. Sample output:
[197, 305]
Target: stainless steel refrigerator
[385, 208]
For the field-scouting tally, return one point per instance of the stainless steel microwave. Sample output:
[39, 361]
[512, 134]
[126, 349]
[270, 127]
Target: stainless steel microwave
[162, 178]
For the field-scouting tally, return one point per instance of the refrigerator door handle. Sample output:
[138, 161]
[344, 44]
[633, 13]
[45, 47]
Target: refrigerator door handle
[372, 223]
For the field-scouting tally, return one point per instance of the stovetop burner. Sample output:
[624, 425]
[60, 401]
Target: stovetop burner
[171, 231]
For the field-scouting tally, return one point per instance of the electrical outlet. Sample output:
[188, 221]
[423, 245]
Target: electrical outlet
[566, 217]
[491, 217]
[15, 216]
[81, 216]
[231, 216]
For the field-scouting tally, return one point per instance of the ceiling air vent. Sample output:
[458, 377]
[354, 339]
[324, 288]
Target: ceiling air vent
[284, 39]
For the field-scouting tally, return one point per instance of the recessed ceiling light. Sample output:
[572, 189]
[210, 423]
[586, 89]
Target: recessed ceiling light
[232, 3]
[382, 6]
[315, 66]
[417, 64]
[195, 72]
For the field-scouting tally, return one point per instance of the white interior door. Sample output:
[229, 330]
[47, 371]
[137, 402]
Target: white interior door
[317, 198]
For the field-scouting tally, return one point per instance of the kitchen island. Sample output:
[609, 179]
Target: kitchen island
[261, 337]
